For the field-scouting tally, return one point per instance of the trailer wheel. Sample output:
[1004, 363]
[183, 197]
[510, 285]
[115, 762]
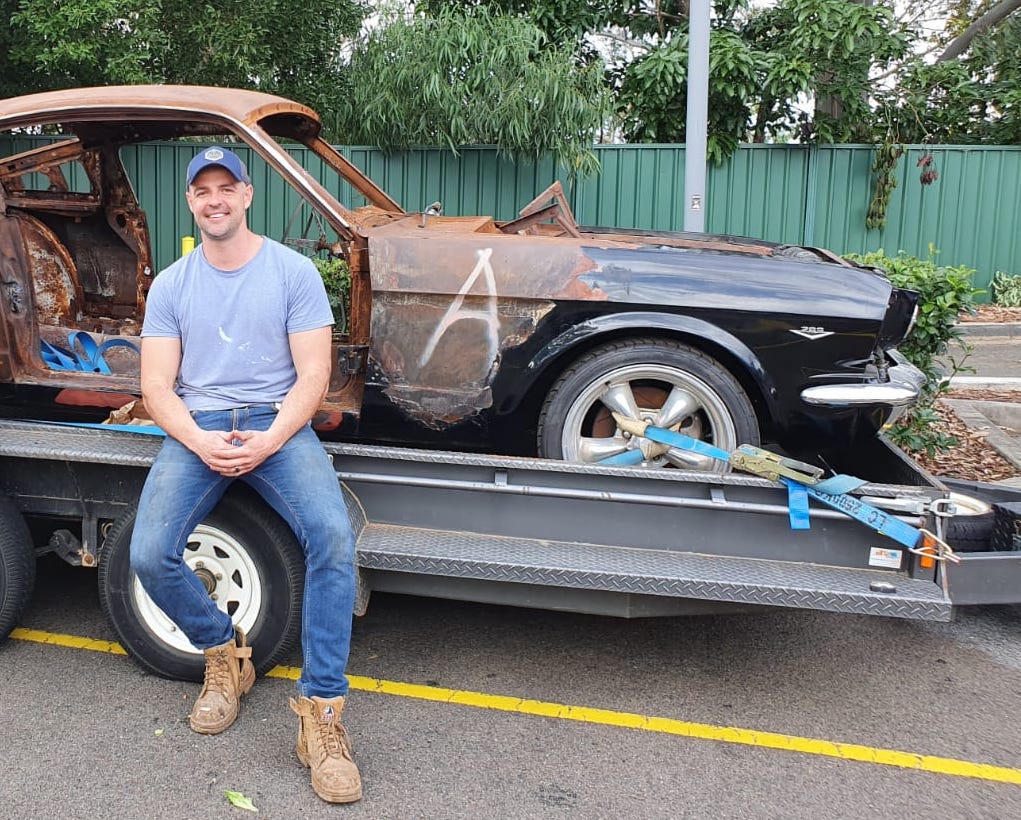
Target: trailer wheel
[248, 558]
[17, 566]
[660, 381]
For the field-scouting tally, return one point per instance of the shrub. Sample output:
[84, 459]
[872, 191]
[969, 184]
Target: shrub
[337, 278]
[1006, 289]
[945, 293]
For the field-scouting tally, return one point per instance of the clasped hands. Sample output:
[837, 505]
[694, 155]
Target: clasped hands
[235, 452]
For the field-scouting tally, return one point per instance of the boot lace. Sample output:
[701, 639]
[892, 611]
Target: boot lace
[331, 737]
[217, 678]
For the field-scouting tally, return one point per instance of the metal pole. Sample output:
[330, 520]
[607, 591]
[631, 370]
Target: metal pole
[697, 122]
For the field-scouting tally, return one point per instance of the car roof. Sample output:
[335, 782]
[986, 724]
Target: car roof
[147, 102]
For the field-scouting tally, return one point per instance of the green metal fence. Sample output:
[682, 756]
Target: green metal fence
[815, 195]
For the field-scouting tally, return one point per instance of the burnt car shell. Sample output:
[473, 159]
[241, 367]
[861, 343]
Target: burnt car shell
[459, 326]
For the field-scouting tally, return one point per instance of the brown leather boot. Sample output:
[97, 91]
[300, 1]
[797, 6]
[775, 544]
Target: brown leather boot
[323, 746]
[229, 675]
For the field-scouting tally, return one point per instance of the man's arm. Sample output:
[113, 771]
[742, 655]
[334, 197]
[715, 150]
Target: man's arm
[161, 361]
[310, 350]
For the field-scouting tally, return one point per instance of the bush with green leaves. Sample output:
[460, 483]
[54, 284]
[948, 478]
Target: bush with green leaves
[1007, 289]
[945, 294]
[337, 278]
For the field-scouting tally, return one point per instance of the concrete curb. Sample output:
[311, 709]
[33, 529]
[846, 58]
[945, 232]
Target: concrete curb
[1010, 330]
[987, 383]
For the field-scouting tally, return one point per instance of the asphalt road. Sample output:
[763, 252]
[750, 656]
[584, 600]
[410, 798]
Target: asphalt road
[85, 734]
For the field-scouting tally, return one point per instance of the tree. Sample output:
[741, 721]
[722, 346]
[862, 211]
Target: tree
[471, 75]
[291, 47]
[985, 21]
[965, 87]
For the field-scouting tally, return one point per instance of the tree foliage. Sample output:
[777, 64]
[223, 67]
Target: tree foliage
[463, 76]
[550, 75]
[291, 47]
[971, 98]
[828, 70]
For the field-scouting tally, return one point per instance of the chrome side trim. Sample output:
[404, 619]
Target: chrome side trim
[901, 390]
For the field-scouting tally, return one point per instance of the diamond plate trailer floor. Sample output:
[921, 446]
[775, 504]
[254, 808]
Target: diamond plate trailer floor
[536, 532]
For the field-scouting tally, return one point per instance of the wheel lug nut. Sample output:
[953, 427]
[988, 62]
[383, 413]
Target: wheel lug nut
[219, 576]
[200, 565]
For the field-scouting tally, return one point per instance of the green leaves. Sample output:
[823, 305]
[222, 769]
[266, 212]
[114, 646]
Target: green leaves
[336, 276]
[471, 76]
[1006, 289]
[945, 293]
[290, 47]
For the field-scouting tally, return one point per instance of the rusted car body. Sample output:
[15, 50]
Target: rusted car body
[464, 332]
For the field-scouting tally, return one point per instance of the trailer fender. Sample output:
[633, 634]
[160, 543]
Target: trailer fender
[249, 559]
[17, 566]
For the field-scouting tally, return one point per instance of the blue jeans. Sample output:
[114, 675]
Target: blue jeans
[298, 482]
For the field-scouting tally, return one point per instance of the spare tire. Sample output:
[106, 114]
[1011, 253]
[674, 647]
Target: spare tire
[17, 566]
[971, 529]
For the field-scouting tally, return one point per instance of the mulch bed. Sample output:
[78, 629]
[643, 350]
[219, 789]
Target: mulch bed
[994, 313]
[972, 459]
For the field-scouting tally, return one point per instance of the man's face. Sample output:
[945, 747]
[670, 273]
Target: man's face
[218, 202]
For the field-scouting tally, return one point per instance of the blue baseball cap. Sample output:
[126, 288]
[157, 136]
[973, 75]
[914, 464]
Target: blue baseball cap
[224, 158]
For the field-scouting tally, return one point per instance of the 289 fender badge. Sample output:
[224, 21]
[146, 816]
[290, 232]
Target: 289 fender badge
[812, 333]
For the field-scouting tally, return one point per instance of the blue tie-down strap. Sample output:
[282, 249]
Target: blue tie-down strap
[142, 429]
[872, 517]
[670, 438]
[84, 354]
[797, 506]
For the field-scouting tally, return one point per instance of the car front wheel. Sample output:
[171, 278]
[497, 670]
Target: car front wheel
[663, 382]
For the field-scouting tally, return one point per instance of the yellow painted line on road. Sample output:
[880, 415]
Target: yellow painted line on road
[607, 717]
[69, 641]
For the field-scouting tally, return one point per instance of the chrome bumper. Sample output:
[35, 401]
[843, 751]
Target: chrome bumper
[902, 390]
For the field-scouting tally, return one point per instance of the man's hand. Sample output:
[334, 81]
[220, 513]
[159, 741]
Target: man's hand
[246, 450]
[217, 450]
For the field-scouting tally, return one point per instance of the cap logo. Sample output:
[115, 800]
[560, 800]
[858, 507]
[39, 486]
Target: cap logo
[213, 154]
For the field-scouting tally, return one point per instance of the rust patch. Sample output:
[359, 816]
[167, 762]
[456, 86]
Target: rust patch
[438, 356]
[93, 398]
[58, 294]
[442, 263]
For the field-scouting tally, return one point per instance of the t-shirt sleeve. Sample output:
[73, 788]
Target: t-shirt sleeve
[308, 307]
[160, 317]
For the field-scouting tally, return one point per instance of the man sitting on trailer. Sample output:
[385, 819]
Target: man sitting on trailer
[235, 361]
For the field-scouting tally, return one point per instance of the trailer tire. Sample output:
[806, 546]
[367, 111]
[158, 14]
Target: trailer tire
[576, 425]
[17, 566]
[252, 560]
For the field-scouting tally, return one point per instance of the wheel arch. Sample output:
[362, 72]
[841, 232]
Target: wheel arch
[557, 355]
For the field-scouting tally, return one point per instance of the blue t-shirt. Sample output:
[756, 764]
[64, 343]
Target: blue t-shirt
[233, 325]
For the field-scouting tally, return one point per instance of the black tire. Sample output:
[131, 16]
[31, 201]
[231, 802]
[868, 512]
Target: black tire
[971, 529]
[17, 566]
[264, 569]
[970, 533]
[573, 411]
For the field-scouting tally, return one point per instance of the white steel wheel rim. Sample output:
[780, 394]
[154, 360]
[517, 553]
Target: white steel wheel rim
[709, 420]
[221, 561]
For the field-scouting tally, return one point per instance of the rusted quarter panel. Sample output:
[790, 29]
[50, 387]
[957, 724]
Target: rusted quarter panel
[446, 305]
